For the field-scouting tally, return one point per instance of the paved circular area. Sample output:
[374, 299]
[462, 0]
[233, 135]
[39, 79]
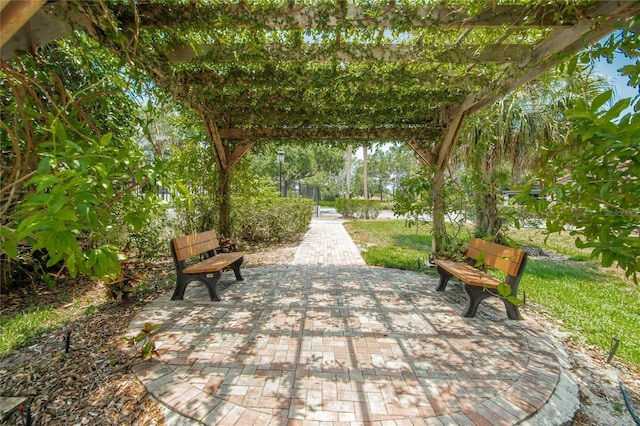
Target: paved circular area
[307, 343]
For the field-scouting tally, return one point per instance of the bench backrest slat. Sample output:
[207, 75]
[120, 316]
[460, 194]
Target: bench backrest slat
[195, 244]
[506, 259]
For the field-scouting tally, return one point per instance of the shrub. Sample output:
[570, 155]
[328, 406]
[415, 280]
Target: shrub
[360, 209]
[274, 219]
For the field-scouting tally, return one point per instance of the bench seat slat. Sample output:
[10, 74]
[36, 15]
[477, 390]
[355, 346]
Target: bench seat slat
[213, 264]
[468, 274]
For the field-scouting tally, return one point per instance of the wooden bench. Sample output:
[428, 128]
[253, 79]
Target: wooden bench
[478, 284]
[208, 271]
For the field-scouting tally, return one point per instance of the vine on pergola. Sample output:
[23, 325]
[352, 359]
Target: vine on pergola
[328, 70]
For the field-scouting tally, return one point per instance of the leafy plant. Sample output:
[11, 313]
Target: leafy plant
[504, 292]
[145, 340]
[593, 186]
[260, 220]
[413, 198]
[73, 160]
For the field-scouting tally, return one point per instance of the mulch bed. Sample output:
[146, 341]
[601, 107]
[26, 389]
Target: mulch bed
[92, 384]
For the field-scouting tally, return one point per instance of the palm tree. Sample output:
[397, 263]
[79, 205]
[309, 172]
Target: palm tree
[501, 144]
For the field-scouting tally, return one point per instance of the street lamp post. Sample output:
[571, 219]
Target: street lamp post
[280, 161]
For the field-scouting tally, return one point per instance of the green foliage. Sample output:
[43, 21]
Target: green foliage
[504, 292]
[260, 214]
[74, 191]
[360, 209]
[74, 164]
[315, 164]
[256, 206]
[145, 341]
[388, 165]
[274, 219]
[599, 192]
[193, 168]
[150, 242]
[413, 198]
[501, 144]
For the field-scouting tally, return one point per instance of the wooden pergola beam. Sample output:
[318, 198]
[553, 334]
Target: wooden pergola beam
[48, 22]
[240, 150]
[329, 134]
[352, 16]
[424, 153]
[454, 124]
[553, 51]
[298, 119]
[219, 149]
[14, 15]
[262, 78]
[561, 44]
[345, 52]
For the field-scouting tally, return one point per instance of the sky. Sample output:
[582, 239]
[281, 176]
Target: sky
[619, 82]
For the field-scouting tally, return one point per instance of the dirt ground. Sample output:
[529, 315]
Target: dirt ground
[93, 384]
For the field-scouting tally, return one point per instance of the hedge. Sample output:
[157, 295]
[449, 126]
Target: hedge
[360, 209]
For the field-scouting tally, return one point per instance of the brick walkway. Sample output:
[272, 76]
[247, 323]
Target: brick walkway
[325, 340]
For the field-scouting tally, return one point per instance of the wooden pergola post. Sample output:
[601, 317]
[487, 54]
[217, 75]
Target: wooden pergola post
[227, 156]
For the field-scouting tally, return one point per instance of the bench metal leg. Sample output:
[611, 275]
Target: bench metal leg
[212, 285]
[444, 279]
[476, 296]
[181, 286]
[236, 269]
[512, 310]
[210, 282]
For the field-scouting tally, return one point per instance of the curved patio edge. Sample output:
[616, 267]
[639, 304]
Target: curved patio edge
[350, 344]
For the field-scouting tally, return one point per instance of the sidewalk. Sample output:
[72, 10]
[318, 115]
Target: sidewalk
[328, 340]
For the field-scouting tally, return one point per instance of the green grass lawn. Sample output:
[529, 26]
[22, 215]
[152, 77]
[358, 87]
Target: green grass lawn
[593, 304]
[18, 329]
[389, 243]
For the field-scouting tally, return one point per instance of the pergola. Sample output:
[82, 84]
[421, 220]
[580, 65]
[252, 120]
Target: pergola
[325, 70]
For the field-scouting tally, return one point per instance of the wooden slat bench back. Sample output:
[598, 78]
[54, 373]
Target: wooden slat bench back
[195, 244]
[506, 259]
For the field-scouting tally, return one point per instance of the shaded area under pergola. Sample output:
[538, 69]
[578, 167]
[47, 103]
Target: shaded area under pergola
[327, 70]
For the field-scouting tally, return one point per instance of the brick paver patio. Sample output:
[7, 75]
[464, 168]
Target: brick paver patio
[328, 340]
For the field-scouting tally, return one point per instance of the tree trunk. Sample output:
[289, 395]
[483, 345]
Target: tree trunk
[349, 161]
[437, 194]
[364, 171]
[224, 225]
[488, 223]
